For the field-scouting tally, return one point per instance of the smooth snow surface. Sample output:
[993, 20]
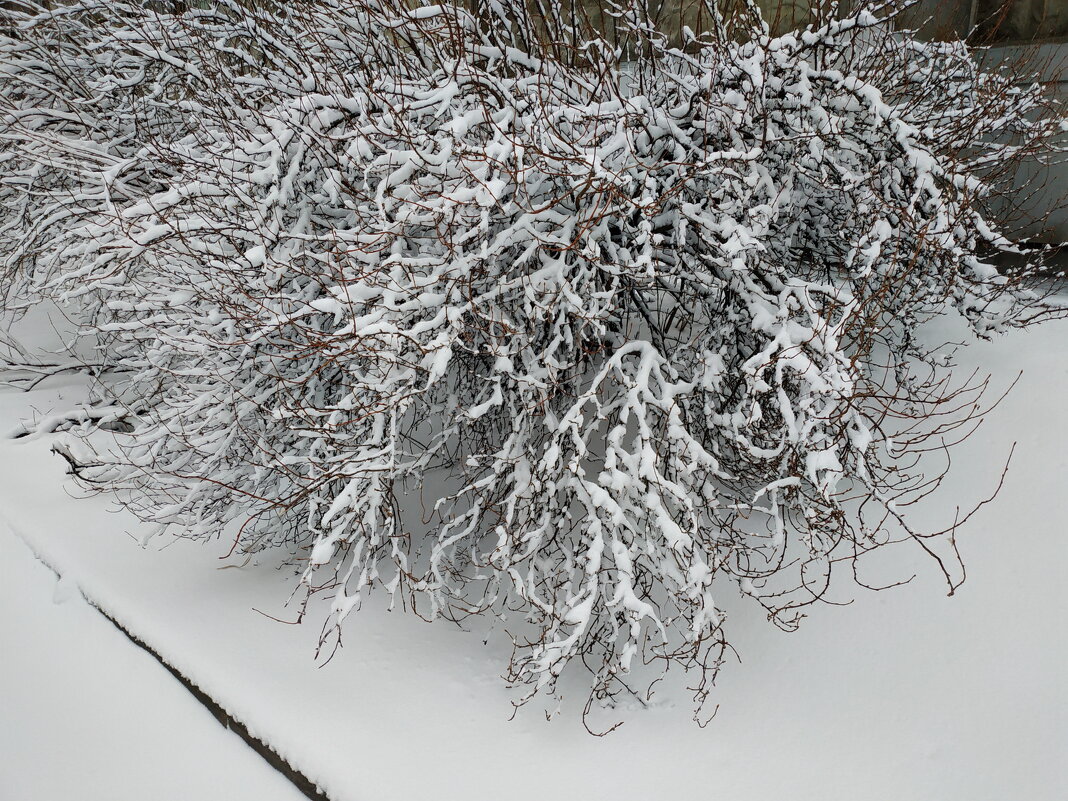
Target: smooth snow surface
[85, 715]
[905, 695]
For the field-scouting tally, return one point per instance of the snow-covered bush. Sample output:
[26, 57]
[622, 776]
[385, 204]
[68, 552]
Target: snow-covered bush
[84, 92]
[474, 306]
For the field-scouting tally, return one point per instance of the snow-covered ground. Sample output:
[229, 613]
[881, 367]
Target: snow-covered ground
[88, 716]
[905, 695]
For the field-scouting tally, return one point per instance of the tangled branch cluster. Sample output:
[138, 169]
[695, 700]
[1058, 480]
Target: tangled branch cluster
[474, 305]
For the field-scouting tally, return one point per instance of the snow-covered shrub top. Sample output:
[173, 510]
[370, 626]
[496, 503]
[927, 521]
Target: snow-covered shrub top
[459, 305]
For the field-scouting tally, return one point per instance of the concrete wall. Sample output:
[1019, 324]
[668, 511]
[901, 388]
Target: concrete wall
[1042, 195]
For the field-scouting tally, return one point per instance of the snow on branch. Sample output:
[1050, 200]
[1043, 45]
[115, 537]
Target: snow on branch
[639, 317]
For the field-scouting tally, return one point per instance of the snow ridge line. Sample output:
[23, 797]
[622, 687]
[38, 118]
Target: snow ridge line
[299, 780]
